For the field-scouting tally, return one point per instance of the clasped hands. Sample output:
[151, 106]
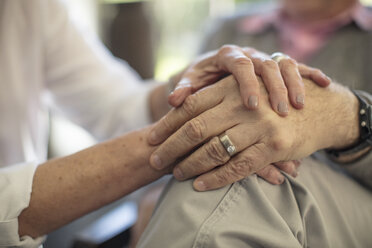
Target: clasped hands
[266, 141]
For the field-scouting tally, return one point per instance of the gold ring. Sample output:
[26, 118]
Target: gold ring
[227, 144]
[277, 57]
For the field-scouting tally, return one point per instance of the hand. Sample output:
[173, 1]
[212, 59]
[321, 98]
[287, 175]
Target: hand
[280, 79]
[260, 137]
[271, 173]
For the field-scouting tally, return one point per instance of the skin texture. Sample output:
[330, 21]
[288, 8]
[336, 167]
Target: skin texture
[282, 80]
[261, 137]
[69, 187]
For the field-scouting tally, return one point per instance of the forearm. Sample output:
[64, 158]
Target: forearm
[356, 161]
[67, 188]
[344, 119]
[334, 112]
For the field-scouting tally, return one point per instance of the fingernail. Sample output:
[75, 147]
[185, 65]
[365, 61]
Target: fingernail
[281, 179]
[156, 162]
[283, 107]
[153, 137]
[300, 99]
[200, 186]
[178, 173]
[253, 101]
[328, 78]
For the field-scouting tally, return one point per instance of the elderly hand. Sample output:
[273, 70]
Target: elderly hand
[281, 79]
[260, 137]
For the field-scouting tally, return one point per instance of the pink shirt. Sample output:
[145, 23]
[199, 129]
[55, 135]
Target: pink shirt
[301, 40]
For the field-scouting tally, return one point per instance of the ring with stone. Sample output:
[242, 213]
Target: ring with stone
[277, 57]
[227, 144]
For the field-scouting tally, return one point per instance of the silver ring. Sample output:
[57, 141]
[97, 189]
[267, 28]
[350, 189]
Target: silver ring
[277, 57]
[227, 144]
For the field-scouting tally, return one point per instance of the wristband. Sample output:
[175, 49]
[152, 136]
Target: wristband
[365, 128]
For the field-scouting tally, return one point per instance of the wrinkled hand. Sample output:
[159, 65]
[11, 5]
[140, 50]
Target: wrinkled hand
[261, 137]
[271, 173]
[281, 79]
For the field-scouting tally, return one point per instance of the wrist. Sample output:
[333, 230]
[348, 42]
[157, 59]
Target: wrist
[344, 127]
[364, 142]
[130, 155]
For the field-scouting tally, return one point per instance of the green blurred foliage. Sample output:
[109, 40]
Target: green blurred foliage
[180, 27]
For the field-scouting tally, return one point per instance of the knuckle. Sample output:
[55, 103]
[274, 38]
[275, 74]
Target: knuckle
[281, 142]
[226, 49]
[224, 177]
[216, 152]
[289, 62]
[242, 167]
[270, 64]
[242, 61]
[195, 130]
[189, 105]
[249, 50]
[287, 67]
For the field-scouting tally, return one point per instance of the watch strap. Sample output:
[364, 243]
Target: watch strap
[365, 128]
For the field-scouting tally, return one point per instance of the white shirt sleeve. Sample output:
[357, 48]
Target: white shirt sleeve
[15, 193]
[87, 84]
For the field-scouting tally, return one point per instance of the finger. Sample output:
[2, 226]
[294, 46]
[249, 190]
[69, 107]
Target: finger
[190, 135]
[242, 165]
[274, 84]
[179, 94]
[192, 106]
[233, 59]
[271, 174]
[297, 163]
[213, 153]
[314, 74]
[204, 159]
[288, 167]
[293, 81]
[191, 82]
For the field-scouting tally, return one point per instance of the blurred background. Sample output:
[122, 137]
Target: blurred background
[157, 38]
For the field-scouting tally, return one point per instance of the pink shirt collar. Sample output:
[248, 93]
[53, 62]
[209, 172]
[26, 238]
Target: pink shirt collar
[300, 40]
[256, 24]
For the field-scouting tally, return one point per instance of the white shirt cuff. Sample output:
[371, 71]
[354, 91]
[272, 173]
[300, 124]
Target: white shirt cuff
[15, 194]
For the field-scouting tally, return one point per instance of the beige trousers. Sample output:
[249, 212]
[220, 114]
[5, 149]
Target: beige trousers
[320, 208]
